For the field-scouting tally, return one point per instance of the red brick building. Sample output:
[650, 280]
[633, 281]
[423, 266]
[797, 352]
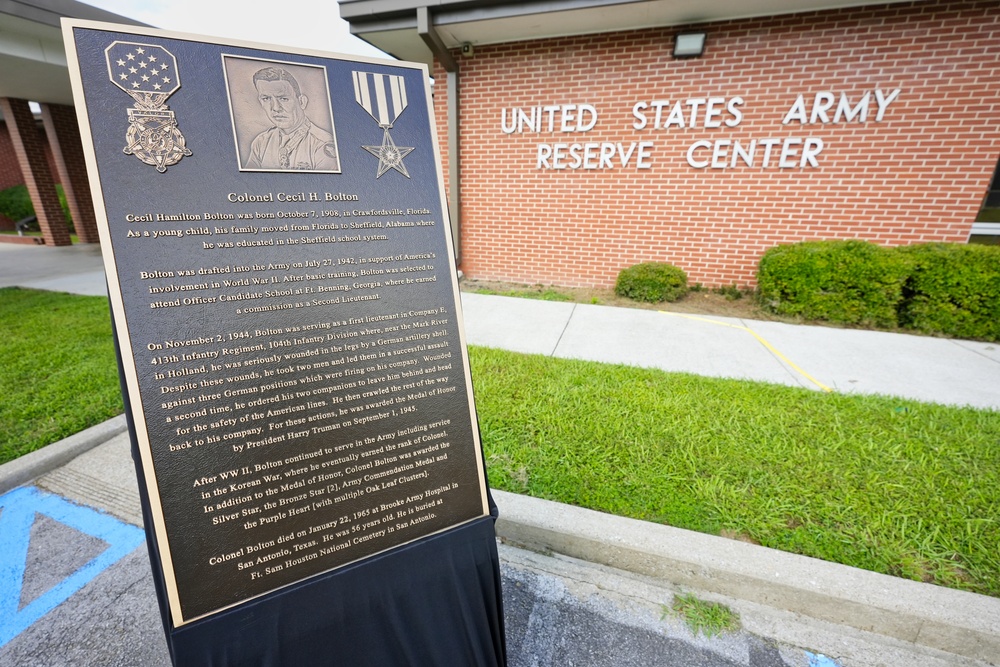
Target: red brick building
[584, 145]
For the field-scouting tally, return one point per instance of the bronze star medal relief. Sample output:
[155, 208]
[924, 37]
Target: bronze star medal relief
[383, 96]
[148, 73]
[390, 156]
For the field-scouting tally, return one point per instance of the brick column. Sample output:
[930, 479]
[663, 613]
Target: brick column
[10, 171]
[30, 150]
[64, 138]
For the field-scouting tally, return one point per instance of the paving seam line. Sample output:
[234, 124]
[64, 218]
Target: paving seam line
[761, 340]
[959, 343]
[562, 333]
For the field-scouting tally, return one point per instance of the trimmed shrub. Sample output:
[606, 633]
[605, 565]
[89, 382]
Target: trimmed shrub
[847, 282]
[15, 204]
[652, 282]
[953, 290]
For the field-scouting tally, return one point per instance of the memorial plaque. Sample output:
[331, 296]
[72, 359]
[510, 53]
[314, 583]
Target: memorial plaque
[281, 278]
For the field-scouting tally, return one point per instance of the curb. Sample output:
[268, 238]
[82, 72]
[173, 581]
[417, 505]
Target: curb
[956, 622]
[39, 462]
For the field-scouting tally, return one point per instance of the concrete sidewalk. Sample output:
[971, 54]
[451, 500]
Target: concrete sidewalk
[583, 573]
[77, 269]
[936, 370]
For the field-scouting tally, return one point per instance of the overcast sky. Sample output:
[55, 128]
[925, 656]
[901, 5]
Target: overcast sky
[313, 24]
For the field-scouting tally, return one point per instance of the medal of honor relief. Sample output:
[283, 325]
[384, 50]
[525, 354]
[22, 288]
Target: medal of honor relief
[149, 75]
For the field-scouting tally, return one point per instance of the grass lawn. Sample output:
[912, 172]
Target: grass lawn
[58, 373]
[889, 485]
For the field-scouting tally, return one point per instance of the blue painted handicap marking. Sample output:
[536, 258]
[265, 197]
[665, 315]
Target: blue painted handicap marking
[820, 660]
[18, 511]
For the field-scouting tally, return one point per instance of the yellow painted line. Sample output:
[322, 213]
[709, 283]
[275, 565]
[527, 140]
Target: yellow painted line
[761, 341]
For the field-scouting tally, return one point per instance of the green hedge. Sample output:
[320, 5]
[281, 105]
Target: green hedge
[944, 289]
[15, 203]
[849, 282]
[953, 290]
[652, 282]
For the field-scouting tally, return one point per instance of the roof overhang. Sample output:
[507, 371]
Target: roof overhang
[391, 25]
[32, 55]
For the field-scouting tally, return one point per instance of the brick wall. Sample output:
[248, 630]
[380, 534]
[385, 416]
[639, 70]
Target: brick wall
[70, 167]
[919, 174]
[10, 169]
[34, 156]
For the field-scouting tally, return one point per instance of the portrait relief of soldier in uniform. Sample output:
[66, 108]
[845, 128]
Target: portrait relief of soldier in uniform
[282, 116]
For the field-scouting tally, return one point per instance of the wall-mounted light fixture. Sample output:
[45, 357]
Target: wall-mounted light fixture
[689, 44]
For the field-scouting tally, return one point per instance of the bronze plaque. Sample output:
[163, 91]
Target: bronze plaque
[282, 280]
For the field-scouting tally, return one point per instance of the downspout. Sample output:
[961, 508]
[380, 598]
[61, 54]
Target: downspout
[425, 28]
